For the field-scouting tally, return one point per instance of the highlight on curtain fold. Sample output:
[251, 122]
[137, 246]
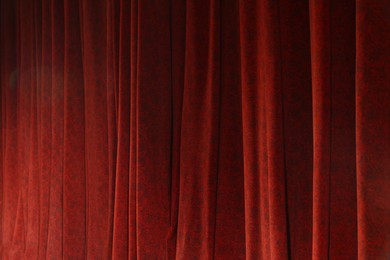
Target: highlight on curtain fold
[195, 129]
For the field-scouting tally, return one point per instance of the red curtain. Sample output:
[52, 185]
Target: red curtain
[195, 129]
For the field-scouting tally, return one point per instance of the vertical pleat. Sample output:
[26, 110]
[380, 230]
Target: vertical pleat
[96, 132]
[333, 54]
[373, 128]
[343, 212]
[178, 42]
[297, 124]
[27, 130]
[272, 83]
[45, 122]
[199, 132]
[74, 175]
[56, 40]
[9, 80]
[322, 92]
[121, 220]
[112, 72]
[132, 174]
[250, 94]
[153, 134]
[230, 218]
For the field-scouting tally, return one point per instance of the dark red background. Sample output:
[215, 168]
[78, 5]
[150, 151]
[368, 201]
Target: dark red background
[198, 129]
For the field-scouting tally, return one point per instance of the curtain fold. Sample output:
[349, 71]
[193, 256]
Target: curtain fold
[195, 129]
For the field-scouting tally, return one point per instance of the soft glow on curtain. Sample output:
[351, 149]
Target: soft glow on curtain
[195, 129]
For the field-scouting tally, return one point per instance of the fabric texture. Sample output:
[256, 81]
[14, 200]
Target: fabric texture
[195, 129]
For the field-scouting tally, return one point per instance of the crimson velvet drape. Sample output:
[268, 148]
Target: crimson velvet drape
[195, 129]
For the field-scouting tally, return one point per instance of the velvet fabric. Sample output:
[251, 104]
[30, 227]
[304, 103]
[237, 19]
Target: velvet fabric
[195, 129]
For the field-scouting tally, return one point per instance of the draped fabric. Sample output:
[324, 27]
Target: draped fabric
[195, 129]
